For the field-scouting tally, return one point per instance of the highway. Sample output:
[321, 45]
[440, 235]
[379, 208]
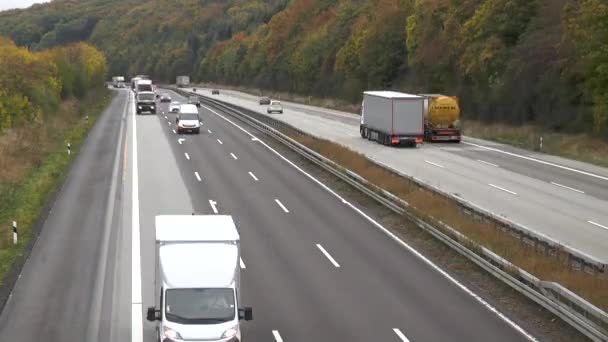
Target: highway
[314, 266]
[563, 199]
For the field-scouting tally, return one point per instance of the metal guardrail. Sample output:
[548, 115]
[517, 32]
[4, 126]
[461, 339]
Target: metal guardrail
[580, 314]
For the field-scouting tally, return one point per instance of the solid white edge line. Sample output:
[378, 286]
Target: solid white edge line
[487, 163]
[281, 205]
[597, 224]
[253, 176]
[233, 156]
[434, 164]
[567, 187]
[395, 238]
[242, 263]
[328, 256]
[538, 161]
[503, 189]
[277, 336]
[401, 335]
[136, 302]
[187, 155]
[213, 205]
[198, 177]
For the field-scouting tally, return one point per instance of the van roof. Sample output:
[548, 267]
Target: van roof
[391, 94]
[198, 265]
[188, 108]
[195, 228]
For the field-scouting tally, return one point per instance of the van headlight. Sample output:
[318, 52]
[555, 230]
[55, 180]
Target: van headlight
[139, 107]
[231, 332]
[152, 107]
[171, 334]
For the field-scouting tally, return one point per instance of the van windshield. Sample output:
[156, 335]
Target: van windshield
[145, 97]
[144, 87]
[200, 306]
[188, 116]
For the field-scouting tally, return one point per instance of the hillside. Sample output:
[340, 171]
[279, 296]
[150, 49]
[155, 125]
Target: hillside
[543, 62]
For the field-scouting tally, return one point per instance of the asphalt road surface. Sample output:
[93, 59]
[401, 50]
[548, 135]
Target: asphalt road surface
[563, 199]
[315, 267]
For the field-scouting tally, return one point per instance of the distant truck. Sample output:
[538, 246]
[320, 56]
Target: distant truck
[392, 118]
[441, 118]
[118, 82]
[136, 79]
[144, 85]
[197, 279]
[182, 81]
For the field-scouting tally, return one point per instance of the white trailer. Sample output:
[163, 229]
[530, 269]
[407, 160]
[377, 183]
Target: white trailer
[118, 81]
[143, 85]
[392, 118]
[182, 81]
[197, 281]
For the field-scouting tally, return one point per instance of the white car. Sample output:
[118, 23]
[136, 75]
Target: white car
[174, 107]
[275, 107]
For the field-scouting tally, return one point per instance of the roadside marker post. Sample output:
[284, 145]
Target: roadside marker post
[15, 235]
[541, 143]
[69, 149]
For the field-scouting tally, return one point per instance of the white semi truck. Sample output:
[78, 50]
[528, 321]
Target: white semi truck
[182, 81]
[198, 279]
[392, 118]
[118, 81]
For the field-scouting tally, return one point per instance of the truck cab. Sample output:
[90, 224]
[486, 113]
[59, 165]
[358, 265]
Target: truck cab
[198, 279]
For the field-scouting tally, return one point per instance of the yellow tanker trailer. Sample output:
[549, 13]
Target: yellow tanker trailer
[441, 118]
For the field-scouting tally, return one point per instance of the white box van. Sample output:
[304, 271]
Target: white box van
[188, 119]
[198, 279]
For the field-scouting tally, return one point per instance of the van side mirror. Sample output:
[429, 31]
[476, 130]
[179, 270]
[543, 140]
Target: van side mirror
[246, 313]
[153, 314]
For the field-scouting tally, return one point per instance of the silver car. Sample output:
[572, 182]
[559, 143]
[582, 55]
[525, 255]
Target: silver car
[275, 107]
[174, 107]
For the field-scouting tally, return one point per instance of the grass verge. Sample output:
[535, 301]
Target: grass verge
[435, 208]
[35, 163]
[582, 147]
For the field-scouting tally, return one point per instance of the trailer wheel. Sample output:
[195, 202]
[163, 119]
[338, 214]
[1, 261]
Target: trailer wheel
[363, 132]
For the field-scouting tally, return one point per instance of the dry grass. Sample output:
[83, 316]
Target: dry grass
[23, 148]
[581, 147]
[432, 207]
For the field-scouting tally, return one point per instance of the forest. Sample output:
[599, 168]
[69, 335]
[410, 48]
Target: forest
[539, 62]
[34, 84]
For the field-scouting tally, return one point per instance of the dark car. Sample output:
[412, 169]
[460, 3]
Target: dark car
[215, 92]
[145, 102]
[195, 100]
[264, 100]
